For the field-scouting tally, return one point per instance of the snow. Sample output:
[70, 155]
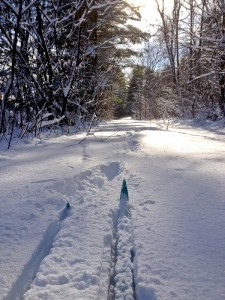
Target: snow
[124, 250]
[169, 244]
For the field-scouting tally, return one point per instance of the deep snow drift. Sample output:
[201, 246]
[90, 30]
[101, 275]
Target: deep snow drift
[175, 233]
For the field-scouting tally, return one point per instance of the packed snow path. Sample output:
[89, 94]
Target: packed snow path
[176, 194]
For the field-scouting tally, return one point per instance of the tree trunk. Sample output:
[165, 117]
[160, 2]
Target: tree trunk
[13, 67]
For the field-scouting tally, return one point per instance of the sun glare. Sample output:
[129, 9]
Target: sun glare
[148, 10]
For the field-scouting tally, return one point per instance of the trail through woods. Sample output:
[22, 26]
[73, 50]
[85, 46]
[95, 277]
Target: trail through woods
[170, 244]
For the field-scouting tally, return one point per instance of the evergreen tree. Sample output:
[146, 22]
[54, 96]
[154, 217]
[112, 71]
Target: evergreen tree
[134, 95]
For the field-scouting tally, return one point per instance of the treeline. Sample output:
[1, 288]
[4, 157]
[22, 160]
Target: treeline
[58, 60]
[182, 68]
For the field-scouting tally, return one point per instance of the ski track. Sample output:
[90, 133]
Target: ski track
[115, 274]
[75, 267]
[24, 280]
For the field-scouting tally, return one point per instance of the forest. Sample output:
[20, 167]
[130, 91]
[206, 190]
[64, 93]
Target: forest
[63, 63]
[181, 71]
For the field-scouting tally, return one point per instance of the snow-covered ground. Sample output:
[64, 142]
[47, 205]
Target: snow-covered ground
[171, 244]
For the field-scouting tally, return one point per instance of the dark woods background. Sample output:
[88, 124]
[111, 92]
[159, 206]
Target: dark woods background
[62, 63]
[59, 60]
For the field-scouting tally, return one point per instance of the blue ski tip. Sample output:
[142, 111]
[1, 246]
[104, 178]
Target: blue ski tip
[124, 189]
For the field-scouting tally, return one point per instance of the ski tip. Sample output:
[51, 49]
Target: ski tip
[65, 212]
[68, 206]
[124, 189]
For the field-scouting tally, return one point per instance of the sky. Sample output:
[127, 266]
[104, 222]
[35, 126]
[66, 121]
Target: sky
[149, 12]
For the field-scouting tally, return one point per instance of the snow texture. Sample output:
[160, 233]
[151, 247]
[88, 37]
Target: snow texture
[170, 244]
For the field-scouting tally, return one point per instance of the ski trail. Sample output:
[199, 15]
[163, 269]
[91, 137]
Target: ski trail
[108, 262]
[113, 252]
[69, 271]
[122, 282]
[25, 279]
